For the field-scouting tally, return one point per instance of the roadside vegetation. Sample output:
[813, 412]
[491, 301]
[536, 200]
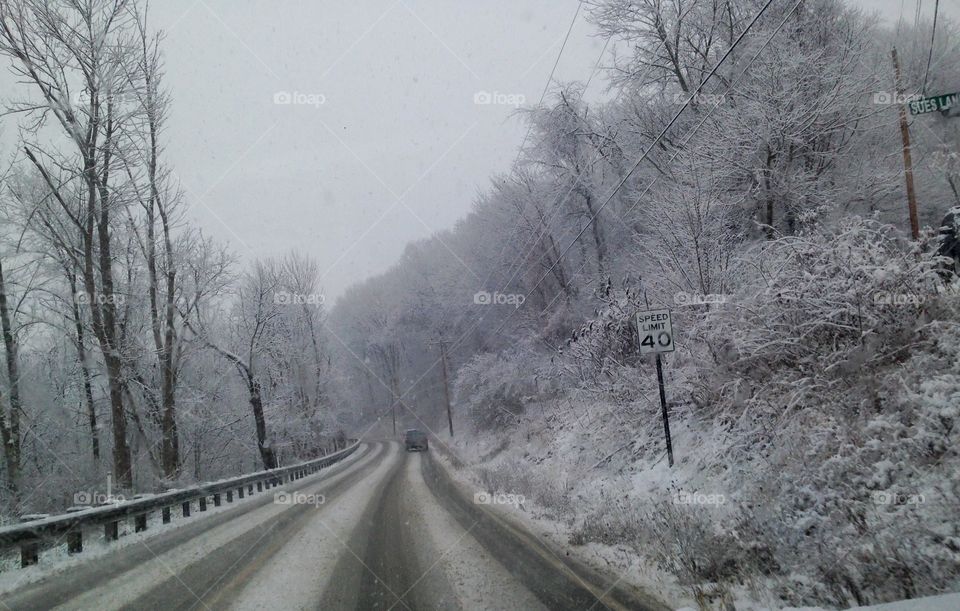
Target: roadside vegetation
[815, 388]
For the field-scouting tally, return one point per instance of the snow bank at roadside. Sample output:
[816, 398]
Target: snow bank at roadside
[943, 602]
[481, 454]
[618, 560]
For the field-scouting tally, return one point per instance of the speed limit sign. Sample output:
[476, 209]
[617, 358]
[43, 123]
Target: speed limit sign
[656, 331]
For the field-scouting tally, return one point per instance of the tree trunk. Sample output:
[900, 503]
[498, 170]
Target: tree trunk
[768, 172]
[10, 430]
[171, 440]
[122, 460]
[85, 370]
[267, 455]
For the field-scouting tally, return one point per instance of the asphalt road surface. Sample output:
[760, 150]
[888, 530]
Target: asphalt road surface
[384, 529]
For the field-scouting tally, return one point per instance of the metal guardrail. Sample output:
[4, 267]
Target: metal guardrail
[30, 536]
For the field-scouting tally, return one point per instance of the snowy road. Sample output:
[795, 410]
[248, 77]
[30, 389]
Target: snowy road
[382, 530]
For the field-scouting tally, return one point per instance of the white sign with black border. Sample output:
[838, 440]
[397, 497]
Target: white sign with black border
[656, 331]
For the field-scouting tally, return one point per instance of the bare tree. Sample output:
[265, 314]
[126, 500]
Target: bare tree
[51, 44]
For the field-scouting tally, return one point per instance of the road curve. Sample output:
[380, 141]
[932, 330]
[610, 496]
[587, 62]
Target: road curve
[384, 529]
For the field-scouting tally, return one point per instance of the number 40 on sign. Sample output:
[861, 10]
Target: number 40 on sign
[656, 331]
[656, 336]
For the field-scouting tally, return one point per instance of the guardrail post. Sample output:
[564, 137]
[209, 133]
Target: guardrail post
[140, 522]
[203, 503]
[29, 553]
[186, 509]
[111, 531]
[229, 496]
[165, 513]
[250, 489]
[259, 486]
[74, 542]
[216, 499]
[240, 492]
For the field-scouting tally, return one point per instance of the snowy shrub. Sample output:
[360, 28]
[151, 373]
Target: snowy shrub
[837, 366]
[817, 309]
[512, 477]
[826, 389]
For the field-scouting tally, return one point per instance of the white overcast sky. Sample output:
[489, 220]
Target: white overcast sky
[398, 148]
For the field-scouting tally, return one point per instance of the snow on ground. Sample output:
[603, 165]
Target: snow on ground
[619, 561]
[297, 577]
[943, 602]
[479, 581]
[648, 483]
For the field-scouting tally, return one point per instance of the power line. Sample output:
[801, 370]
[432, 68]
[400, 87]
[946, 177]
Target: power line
[933, 36]
[558, 208]
[900, 19]
[538, 236]
[596, 66]
[546, 87]
[663, 132]
[540, 103]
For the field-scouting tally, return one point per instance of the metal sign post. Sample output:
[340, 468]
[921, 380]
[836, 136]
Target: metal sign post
[656, 336]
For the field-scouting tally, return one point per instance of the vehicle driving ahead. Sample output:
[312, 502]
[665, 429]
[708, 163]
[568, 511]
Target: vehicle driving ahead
[415, 440]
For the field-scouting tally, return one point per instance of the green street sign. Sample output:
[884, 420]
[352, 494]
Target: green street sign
[934, 104]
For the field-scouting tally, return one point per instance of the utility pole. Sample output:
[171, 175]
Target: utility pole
[907, 157]
[395, 391]
[446, 385]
